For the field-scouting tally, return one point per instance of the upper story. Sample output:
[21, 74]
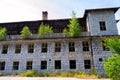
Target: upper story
[95, 22]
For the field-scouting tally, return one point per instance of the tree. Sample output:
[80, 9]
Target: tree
[74, 26]
[2, 33]
[25, 33]
[65, 31]
[44, 29]
[112, 64]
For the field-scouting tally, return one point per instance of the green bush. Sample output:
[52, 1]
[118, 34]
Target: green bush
[1, 74]
[2, 33]
[32, 73]
[44, 29]
[25, 33]
[112, 67]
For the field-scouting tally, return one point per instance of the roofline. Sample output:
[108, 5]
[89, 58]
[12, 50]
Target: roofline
[115, 9]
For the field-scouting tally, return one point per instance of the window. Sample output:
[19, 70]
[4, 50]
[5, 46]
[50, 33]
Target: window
[29, 65]
[100, 59]
[2, 65]
[57, 64]
[87, 64]
[57, 47]
[72, 64]
[18, 48]
[85, 46]
[102, 25]
[44, 47]
[71, 47]
[43, 64]
[5, 48]
[30, 48]
[15, 65]
[104, 47]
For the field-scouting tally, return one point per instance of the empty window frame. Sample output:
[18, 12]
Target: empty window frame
[87, 64]
[43, 64]
[2, 65]
[104, 47]
[16, 65]
[29, 65]
[44, 47]
[57, 64]
[30, 48]
[72, 64]
[85, 46]
[4, 49]
[18, 48]
[57, 47]
[71, 47]
[102, 25]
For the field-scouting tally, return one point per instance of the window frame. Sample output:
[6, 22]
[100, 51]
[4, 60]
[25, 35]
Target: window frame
[5, 48]
[43, 65]
[57, 47]
[87, 64]
[71, 46]
[72, 64]
[2, 65]
[16, 65]
[31, 48]
[85, 45]
[44, 48]
[57, 64]
[102, 25]
[18, 48]
[29, 65]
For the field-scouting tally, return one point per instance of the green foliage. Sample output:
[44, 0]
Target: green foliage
[1, 74]
[65, 31]
[2, 33]
[44, 29]
[25, 33]
[112, 67]
[113, 43]
[32, 73]
[74, 26]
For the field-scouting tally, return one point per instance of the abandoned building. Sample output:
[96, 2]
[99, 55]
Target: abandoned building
[57, 51]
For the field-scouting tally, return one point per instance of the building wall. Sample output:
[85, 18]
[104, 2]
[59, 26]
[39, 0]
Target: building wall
[107, 16]
[37, 56]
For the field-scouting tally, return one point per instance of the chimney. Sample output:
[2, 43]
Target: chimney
[44, 15]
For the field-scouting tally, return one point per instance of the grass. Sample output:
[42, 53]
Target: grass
[34, 73]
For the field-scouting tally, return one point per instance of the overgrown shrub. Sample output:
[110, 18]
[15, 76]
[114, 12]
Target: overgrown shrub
[25, 33]
[2, 33]
[112, 67]
[44, 29]
[1, 74]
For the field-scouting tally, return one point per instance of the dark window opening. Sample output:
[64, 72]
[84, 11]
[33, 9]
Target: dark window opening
[104, 47]
[72, 64]
[57, 64]
[57, 47]
[85, 46]
[100, 59]
[18, 48]
[44, 47]
[57, 29]
[4, 49]
[102, 25]
[71, 47]
[84, 29]
[29, 65]
[43, 64]
[87, 64]
[2, 65]
[30, 48]
[15, 65]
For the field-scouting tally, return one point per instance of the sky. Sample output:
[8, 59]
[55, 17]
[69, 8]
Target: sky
[27, 10]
